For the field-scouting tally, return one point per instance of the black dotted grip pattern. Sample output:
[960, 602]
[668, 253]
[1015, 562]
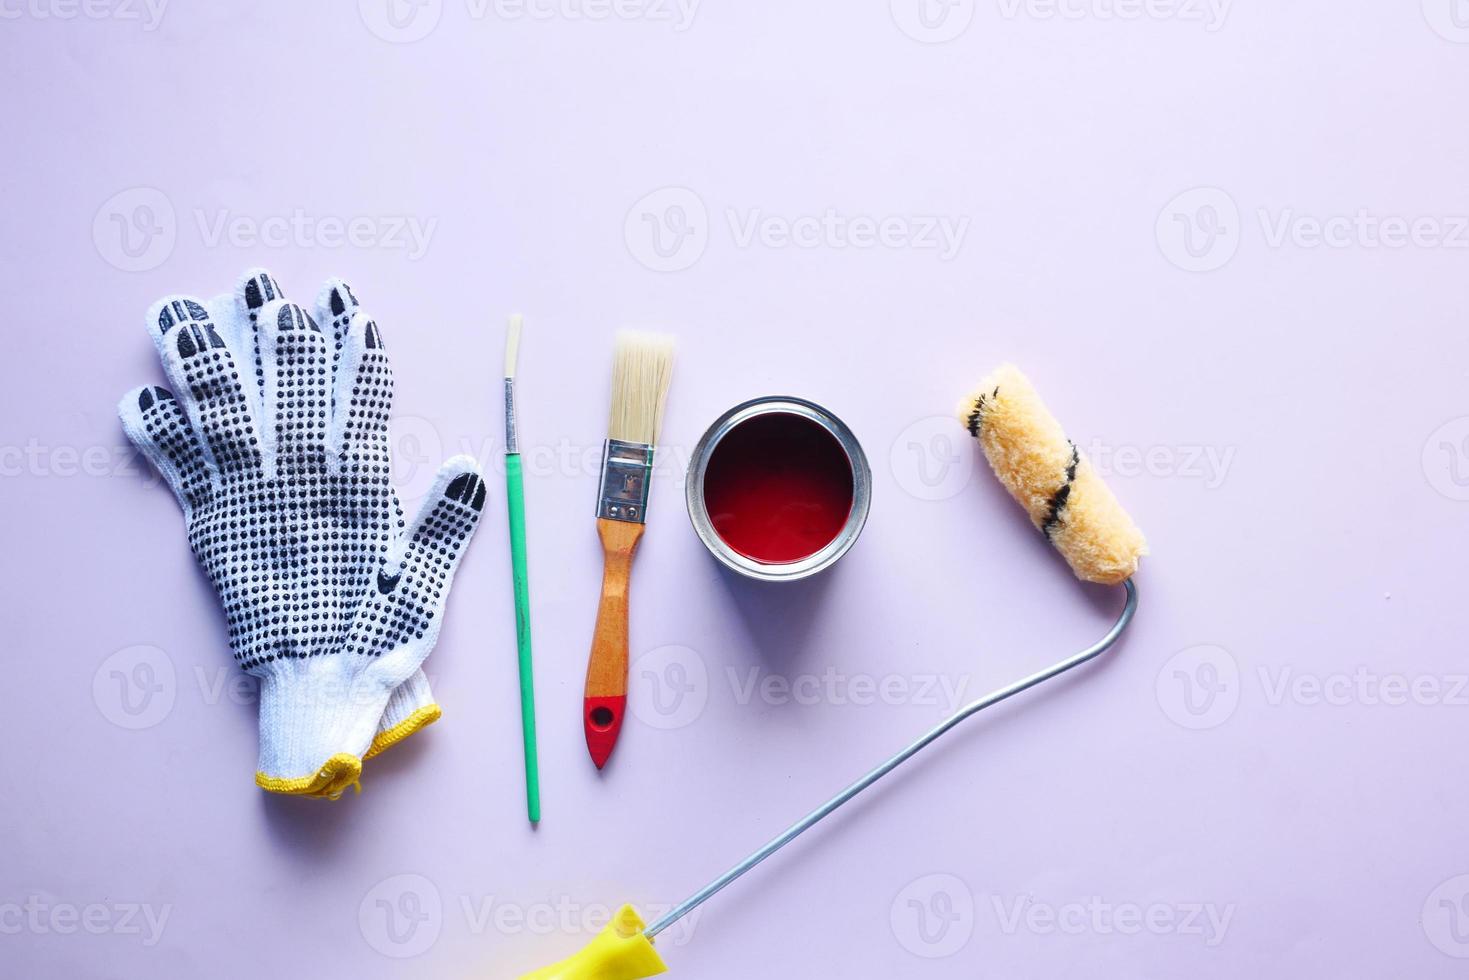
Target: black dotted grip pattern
[275, 440]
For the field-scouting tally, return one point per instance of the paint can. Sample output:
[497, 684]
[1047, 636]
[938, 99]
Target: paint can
[778, 489]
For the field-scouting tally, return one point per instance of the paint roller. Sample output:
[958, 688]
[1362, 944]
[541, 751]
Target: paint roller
[1058, 486]
[1067, 501]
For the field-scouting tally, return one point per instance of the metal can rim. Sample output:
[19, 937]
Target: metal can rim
[813, 563]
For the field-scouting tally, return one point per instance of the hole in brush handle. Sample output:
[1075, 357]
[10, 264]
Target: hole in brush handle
[602, 720]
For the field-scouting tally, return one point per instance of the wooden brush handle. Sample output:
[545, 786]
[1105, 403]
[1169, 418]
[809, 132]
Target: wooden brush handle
[605, 700]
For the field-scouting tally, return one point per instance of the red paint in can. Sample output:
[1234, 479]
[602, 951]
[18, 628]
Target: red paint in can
[778, 488]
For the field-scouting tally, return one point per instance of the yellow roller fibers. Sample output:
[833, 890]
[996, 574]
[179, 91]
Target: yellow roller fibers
[1056, 485]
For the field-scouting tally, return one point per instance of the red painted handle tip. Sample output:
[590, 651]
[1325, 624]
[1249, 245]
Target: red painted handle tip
[602, 719]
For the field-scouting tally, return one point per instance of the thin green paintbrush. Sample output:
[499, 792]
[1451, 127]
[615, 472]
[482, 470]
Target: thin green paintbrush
[515, 502]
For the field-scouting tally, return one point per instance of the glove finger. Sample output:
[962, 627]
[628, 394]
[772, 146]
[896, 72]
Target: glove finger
[335, 304]
[293, 353]
[399, 622]
[154, 421]
[207, 382]
[227, 321]
[253, 290]
[434, 542]
[356, 376]
[362, 402]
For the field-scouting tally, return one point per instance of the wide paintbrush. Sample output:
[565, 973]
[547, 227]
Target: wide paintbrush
[641, 371]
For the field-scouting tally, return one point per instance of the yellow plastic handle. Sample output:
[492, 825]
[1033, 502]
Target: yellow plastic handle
[620, 952]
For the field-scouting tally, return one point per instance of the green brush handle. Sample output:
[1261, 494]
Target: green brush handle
[515, 498]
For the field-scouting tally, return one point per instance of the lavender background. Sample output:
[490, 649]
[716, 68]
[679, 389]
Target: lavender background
[1227, 240]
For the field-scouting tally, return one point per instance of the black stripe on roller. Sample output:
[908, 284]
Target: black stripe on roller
[1061, 496]
[976, 416]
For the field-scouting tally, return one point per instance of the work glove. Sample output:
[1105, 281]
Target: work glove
[412, 705]
[276, 445]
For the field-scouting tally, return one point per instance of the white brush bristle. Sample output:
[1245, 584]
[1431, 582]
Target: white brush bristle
[512, 344]
[641, 370]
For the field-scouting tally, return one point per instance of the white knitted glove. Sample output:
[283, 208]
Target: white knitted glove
[412, 705]
[282, 468]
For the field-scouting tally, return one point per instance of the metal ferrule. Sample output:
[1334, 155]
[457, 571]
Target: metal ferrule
[512, 440]
[627, 468]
